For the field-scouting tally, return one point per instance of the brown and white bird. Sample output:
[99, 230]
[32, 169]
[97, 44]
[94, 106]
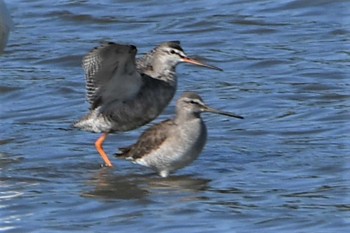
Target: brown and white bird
[125, 93]
[173, 144]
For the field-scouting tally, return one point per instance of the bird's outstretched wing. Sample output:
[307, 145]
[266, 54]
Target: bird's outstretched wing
[108, 68]
[150, 140]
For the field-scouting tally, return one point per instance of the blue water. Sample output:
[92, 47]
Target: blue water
[284, 168]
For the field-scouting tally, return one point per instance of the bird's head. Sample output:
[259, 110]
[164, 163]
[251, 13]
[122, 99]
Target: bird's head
[191, 103]
[171, 53]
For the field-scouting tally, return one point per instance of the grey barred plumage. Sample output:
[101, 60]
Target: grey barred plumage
[110, 72]
[173, 144]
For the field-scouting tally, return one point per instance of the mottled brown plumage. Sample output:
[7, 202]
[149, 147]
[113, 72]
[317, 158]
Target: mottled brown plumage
[150, 140]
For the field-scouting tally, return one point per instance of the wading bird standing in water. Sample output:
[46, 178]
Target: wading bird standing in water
[125, 93]
[173, 144]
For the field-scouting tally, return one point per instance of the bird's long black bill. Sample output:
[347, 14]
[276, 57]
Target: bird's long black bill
[212, 110]
[198, 63]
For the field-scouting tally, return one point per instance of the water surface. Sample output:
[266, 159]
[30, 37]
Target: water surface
[284, 168]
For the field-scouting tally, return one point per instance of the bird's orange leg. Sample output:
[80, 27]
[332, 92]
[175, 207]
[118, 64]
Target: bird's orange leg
[99, 147]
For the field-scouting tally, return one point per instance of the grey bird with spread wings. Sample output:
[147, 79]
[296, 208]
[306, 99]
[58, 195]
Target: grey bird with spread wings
[173, 144]
[125, 93]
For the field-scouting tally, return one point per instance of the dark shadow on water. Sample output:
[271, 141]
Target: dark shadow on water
[6, 159]
[108, 185]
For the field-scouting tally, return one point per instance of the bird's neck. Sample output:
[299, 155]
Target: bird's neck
[168, 75]
[158, 69]
[183, 116]
[192, 129]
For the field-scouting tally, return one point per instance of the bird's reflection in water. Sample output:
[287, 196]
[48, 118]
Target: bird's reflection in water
[109, 185]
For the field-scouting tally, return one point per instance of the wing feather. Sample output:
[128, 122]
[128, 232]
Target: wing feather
[150, 140]
[104, 71]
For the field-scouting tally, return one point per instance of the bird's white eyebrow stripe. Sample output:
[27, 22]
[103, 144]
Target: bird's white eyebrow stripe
[197, 101]
[176, 51]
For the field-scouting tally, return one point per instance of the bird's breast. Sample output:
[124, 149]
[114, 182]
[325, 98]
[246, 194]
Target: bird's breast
[194, 136]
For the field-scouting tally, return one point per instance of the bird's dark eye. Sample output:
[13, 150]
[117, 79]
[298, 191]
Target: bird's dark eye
[172, 51]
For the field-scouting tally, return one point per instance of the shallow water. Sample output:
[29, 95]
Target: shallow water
[284, 168]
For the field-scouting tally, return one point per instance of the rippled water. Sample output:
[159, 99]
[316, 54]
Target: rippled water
[284, 168]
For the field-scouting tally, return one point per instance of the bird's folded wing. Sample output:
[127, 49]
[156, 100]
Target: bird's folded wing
[150, 140]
